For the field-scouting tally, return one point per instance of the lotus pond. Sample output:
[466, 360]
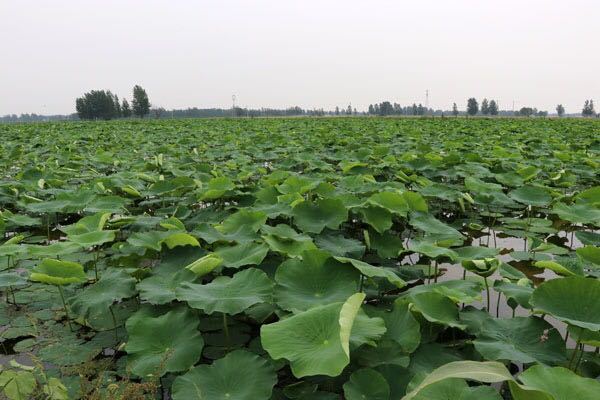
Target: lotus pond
[315, 259]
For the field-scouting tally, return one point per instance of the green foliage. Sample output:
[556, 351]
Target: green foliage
[301, 258]
[140, 105]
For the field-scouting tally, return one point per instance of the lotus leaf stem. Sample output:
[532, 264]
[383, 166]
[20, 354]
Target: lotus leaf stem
[487, 289]
[62, 297]
[226, 330]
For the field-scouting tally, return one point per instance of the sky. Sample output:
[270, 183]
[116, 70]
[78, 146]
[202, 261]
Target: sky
[314, 54]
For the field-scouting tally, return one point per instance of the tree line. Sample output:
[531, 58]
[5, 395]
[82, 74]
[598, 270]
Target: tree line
[103, 104]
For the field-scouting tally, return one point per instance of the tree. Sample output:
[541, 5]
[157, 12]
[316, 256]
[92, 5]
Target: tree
[140, 103]
[349, 110]
[97, 104]
[527, 111]
[420, 109]
[455, 110]
[337, 110]
[117, 106]
[493, 107]
[485, 107]
[560, 110]
[588, 109]
[371, 109]
[472, 106]
[386, 108]
[415, 109]
[125, 110]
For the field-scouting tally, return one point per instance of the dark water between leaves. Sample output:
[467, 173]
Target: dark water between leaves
[497, 300]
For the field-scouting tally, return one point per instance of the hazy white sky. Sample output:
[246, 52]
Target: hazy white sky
[309, 53]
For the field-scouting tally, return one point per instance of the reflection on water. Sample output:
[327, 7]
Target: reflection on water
[507, 245]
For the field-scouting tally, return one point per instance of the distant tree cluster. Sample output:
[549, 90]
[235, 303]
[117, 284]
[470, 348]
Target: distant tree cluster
[386, 108]
[103, 104]
[588, 109]
[560, 110]
[531, 111]
[487, 107]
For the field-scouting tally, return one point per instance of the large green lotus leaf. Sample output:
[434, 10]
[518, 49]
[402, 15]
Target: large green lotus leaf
[21, 219]
[431, 225]
[317, 279]
[90, 239]
[387, 244]
[366, 383]
[283, 239]
[168, 275]
[112, 204]
[205, 265]
[395, 203]
[372, 271]
[433, 251]
[154, 240]
[591, 195]
[379, 218]
[484, 268]
[314, 217]
[91, 223]
[554, 266]
[488, 372]
[69, 352]
[315, 342]
[520, 292]
[480, 393]
[158, 344]
[297, 184]
[241, 222]
[436, 308]
[366, 330]
[590, 254]
[151, 240]
[415, 201]
[446, 389]
[577, 213]
[173, 223]
[216, 188]
[114, 285]
[53, 250]
[11, 249]
[573, 300]
[17, 385]
[588, 238]
[56, 272]
[338, 245]
[519, 339]
[240, 375]
[458, 290]
[401, 326]
[386, 352]
[8, 279]
[228, 295]
[531, 195]
[180, 239]
[584, 336]
[64, 203]
[238, 255]
[559, 382]
[475, 252]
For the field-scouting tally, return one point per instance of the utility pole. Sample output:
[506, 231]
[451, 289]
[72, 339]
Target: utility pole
[427, 101]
